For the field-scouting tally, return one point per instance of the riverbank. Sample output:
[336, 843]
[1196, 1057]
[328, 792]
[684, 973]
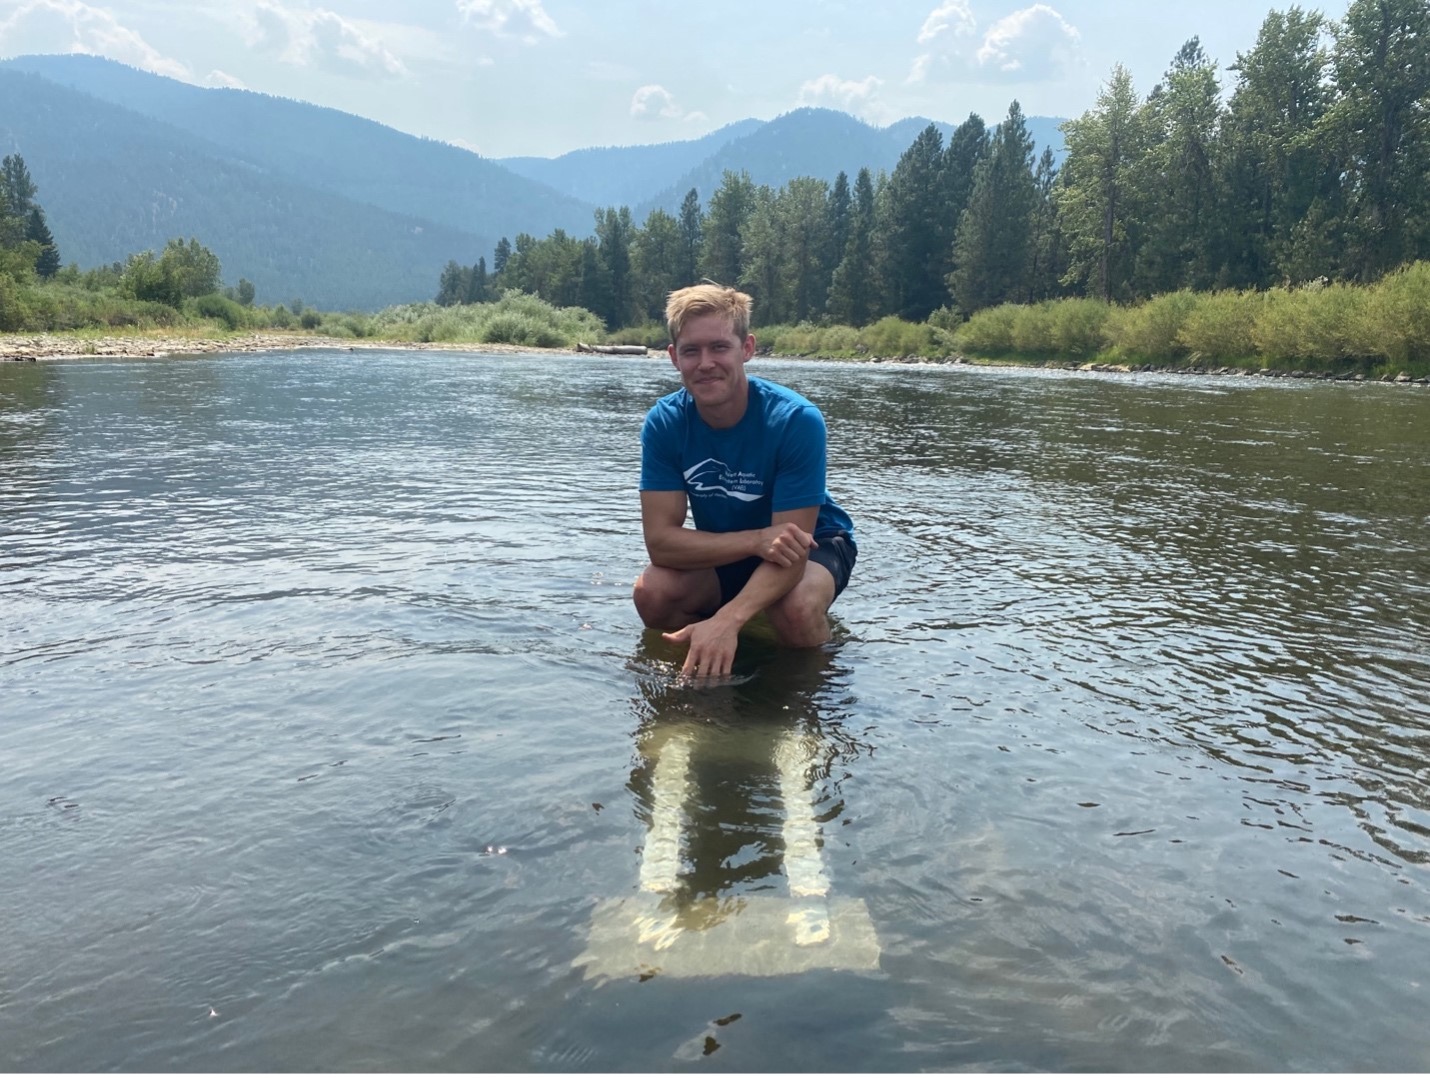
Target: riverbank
[34, 347]
[23, 347]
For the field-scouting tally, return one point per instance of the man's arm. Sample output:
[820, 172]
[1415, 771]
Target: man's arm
[674, 546]
[713, 641]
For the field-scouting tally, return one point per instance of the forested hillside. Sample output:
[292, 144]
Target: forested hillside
[114, 183]
[330, 150]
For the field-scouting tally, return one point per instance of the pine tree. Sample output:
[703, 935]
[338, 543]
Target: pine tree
[851, 289]
[994, 244]
[722, 256]
[691, 238]
[916, 231]
[48, 262]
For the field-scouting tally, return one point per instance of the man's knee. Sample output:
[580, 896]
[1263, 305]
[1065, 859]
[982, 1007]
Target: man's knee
[669, 598]
[801, 618]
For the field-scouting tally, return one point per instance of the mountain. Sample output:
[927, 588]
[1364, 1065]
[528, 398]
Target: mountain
[625, 175]
[113, 182]
[819, 143]
[335, 151]
[806, 142]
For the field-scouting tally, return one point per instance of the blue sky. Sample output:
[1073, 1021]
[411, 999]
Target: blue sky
[541, 77]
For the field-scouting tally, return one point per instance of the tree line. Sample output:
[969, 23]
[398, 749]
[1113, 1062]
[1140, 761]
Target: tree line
[1313, 167]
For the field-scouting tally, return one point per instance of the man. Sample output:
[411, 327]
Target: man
[748, 458]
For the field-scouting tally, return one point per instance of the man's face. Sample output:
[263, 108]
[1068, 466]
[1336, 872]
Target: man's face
[711, 360]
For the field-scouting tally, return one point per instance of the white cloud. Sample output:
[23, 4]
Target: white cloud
[225, 80]
[951, 18]
[524, 19]
[48, 26]
[320, 38]
[1035, 44]
[851, 95]
[655, 103]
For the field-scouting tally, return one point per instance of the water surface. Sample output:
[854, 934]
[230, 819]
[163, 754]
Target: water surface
[330, 739]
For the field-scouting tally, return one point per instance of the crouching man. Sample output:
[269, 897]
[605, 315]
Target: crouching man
[747, 457]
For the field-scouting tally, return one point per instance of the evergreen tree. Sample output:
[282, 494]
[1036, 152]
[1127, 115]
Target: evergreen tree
[478, 286]
[763, 257]
[967, 146]
[613, 231]
[1047, 263]
[1095, 199]
[659, 254]
[840, 206]
[851, 289]
[803, 207]
[452, 285]
[17, 190]
[692, 231]
[246, 292]
[1175, 176]
[38, 232]
[1270, 170]
[501, 255]
[595, 292]
[1380, 124]
[722, 256]
[994, 244]
[915, 231]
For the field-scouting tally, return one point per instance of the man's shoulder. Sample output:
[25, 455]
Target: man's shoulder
[779, 402]
[670, 407]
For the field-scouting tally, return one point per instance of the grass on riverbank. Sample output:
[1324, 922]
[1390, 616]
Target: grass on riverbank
[1377, 329]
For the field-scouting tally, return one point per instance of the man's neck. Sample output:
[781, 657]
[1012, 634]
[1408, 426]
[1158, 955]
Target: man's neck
[727, 415]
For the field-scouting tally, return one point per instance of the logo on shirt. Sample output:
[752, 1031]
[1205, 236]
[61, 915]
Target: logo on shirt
[712, 477]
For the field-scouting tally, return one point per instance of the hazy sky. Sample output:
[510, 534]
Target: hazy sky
[510, 77]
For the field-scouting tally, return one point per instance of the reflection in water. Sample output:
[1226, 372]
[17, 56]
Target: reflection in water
[733, 876]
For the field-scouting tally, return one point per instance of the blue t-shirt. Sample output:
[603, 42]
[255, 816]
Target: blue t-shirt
[737, 478]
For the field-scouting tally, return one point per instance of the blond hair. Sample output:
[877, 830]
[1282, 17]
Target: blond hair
[707, 298]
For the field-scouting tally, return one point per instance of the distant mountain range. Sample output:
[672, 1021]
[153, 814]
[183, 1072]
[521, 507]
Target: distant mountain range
[345, 213]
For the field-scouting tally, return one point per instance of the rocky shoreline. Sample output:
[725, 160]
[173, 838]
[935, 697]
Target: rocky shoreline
[19, 347]
[51, 346]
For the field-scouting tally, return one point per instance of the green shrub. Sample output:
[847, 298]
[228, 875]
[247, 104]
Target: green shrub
[220, 309]
[1314, 326]
[893, 338]
[15, 312]
[1080, 327]
[1219, 326]
[516, 327]
[1032, 330]
[1397, 315]
[1149, 330]
[988, 332]
[310, 319]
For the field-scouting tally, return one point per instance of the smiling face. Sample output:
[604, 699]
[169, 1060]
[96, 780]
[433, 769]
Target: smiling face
[711, 357]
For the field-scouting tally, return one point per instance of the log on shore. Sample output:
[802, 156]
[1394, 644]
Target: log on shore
[613, 349]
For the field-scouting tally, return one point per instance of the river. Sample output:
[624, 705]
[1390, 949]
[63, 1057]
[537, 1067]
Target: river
[331, 740]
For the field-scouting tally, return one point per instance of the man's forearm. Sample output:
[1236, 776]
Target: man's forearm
[687, 548]
[767, 585]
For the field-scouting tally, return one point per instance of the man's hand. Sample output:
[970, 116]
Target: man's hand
[784, 544]
[712, 647]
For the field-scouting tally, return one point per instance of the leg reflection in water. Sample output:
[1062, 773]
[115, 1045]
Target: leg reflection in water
[733, 875]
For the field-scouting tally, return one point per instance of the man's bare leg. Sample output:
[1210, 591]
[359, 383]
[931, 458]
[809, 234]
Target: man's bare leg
[674, 598]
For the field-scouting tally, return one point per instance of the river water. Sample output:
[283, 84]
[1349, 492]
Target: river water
[331, 740]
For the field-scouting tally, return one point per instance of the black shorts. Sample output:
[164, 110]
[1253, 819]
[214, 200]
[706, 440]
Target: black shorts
[836, 552]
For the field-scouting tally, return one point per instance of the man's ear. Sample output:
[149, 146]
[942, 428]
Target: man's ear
[670, 351]
[749, 346]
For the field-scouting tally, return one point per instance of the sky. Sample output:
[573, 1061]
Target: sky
[511, 78]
